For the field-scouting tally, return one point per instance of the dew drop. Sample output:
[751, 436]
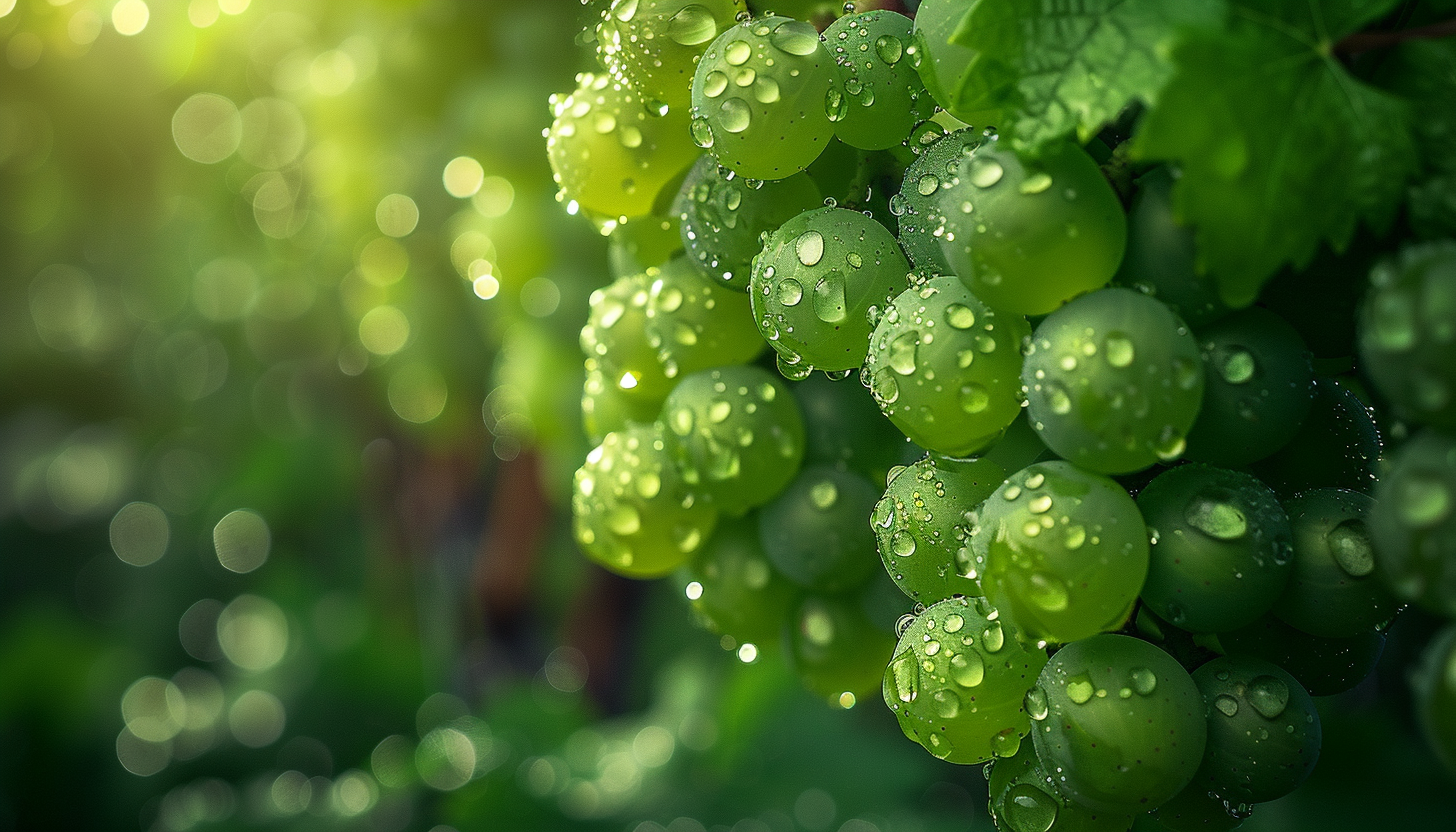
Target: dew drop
[809, 247]
[967, 669]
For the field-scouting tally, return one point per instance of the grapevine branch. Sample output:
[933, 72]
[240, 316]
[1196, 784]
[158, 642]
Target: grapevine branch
[1365, 41]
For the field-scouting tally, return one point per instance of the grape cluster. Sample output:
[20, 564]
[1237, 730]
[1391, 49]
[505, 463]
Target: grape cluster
[1131, 530]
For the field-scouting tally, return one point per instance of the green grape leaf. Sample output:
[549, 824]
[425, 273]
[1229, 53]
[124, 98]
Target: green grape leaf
[1072, 66]
[1280, 147]
[1424, 73]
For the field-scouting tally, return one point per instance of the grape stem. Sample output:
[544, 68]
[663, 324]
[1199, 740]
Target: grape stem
[1365, 41]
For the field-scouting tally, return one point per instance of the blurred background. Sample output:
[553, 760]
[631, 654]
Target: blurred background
[289, 405]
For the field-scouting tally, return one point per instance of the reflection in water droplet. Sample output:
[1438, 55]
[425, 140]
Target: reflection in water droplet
[1079, 689]
[1217, 517]
[1349, 544]
[809, 247]
[1035, 704]
[902, 352]
[984, 172]
[829, 301]
[737, 53]
[1119, 349]
[1029, 809]
[1144, 681]
[790, 292]
[1269, 696]
[967, 669]
[734, 115]
[960, 316]
[1227, 705]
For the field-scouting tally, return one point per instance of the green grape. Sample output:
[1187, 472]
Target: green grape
[880, 96]
[1408, 332]
[917, 205]
[1336, 447]
[641, 243]
[1024, 798]
[609, 153]
[631, 511]
[820, 277]
[1324, 666]
[1263, 731]
[921, 524]
[1413, 525]
[723, 218]
[1118, 722]
[817, 531]
[958, 680]
[836, 648]
[1061, 552]
[1435, 695]
[648, 330]
[1221, 549]
[1160, 257]
[1258, 390]
[1027, 235]
[945, 66]
[735, 591]
[1113, 381]
[1196, 809]
[844, 428]
[842, 174]
[759, 96]
[652, 46]
[736, 435]
[944, 367]
[1333, 591]
[605, 407]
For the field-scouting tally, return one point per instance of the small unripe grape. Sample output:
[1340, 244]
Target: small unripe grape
[638, 244]
[1023, 796]
[1118, 722]
[1263, 731]
[736, 435]
[723, 218]
[1061, 552]
[1324, 666]
[1408, 332]
[1196, 809]
[1413, 523]
[648, 330]
[735, 591]
[881, 97]
[1333, 591]
[958, 681]
[943, 65]
[1027, 235]
[606, 408]
[917, 205]
[819, 279]
[1113, 381]
[1221, 549]
[836, 648]
[1336, 446]
[1435, 695]
[1160, 258]
[759, 96]
[1257, 392]
[817, 532]
[631, 511]
[654, 45]
[922, 524]
[844, 428]
[945, 367]
[610, 153]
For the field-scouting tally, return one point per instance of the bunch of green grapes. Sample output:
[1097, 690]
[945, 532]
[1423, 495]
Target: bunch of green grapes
[1110, 538]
